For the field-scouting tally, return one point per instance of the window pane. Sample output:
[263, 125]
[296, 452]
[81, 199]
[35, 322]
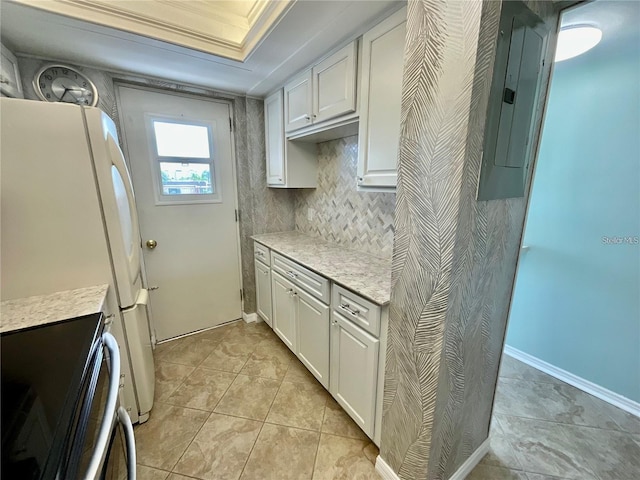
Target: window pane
[181, 140]
[186, 178]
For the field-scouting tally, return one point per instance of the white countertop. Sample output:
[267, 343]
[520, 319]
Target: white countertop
[361, 273]
[39, 310]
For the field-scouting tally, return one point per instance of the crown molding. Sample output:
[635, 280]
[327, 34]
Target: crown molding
[235, 36]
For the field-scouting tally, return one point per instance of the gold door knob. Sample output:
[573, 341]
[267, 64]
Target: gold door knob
[151, 244]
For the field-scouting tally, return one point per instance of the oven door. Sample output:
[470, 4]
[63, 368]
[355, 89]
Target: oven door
[121, 459]
[101, 420]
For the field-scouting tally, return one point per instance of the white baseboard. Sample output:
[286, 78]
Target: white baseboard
[471, 462]
[251, 317]
[387, 473]
[602, 393]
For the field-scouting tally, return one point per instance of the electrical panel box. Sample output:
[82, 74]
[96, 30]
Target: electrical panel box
[515, 89]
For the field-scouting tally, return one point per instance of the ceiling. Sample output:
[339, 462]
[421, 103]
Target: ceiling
[231, 29]
[618, 20]
[257, 45]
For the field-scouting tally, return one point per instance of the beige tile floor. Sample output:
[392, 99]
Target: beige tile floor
[235, 403]
[545, 429]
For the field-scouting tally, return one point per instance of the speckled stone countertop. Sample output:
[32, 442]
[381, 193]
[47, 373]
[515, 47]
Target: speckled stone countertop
[363, 274]
[40, 310]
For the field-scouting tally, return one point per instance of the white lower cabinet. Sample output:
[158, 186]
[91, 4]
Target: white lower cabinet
[284, 312]
[339, 336]
[354, 371]
[313, 335]
[263, 292]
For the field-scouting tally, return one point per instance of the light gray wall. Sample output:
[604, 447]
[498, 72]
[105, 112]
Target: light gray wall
[359, 220]
[454, 257]
[262, 210]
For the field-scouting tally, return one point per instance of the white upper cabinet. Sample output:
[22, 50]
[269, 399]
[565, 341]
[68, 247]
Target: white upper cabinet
[324, 92]
[10, 83]
[297, 102]
[334, 85]
[289, 164]
[274, 138]
[380, 99]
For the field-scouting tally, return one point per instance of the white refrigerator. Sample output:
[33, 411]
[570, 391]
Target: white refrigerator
[68, 220]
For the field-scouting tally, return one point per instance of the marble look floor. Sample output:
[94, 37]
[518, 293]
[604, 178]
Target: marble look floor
[545, 429]
[234, 403]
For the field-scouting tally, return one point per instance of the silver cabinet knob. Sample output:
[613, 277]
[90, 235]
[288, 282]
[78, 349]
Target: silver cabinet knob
[151, 244]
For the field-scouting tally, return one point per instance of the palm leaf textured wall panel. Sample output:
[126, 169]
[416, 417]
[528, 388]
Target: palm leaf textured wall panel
[454, 258]
[440, 56]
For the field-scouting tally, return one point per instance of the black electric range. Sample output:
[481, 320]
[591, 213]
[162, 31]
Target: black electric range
[46, 375]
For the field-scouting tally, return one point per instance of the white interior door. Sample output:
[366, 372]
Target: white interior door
[181, 162]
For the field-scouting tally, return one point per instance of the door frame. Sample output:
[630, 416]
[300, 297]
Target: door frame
[117, 84]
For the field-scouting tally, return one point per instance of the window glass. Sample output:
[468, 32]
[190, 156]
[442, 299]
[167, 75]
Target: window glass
[181, 140]
[186, 178]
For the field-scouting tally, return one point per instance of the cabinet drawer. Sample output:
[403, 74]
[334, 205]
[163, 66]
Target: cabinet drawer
[313, 283]
[362, 312]
[260, 252]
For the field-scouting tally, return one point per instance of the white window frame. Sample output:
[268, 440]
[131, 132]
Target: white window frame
[156, 159]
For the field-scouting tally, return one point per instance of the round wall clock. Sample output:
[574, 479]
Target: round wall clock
[61, 83]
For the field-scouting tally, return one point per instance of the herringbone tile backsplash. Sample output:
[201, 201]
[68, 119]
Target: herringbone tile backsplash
[337, 212]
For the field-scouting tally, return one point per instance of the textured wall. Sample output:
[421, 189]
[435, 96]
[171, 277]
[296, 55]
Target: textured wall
[262, 210]
[454, 257]
[103, 81]
[359, 220]
[485, 258]
[265, 210]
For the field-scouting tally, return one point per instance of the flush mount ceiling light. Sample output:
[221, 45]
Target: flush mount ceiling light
[574, 40]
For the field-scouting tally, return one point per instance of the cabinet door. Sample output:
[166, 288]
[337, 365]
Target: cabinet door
[354, 371]
[313, 335]
[263, 292]
[297, 102]
[381, 96]
[334, 84]
[10, 83]
[284, 315]
[274, 138]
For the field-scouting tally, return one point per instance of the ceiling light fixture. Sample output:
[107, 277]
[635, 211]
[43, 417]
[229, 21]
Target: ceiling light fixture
[574, 40]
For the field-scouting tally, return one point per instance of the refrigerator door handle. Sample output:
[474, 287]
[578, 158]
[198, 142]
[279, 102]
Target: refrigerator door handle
[143, 297]
[104, 434]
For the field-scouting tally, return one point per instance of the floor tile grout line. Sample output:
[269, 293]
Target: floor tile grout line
[585, 458]
[563, 433]
[205, 421]
[315, 458]
[244, 466]
[546, 420]
[202, 426]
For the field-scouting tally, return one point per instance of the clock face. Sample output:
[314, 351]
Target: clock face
[59, 83]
